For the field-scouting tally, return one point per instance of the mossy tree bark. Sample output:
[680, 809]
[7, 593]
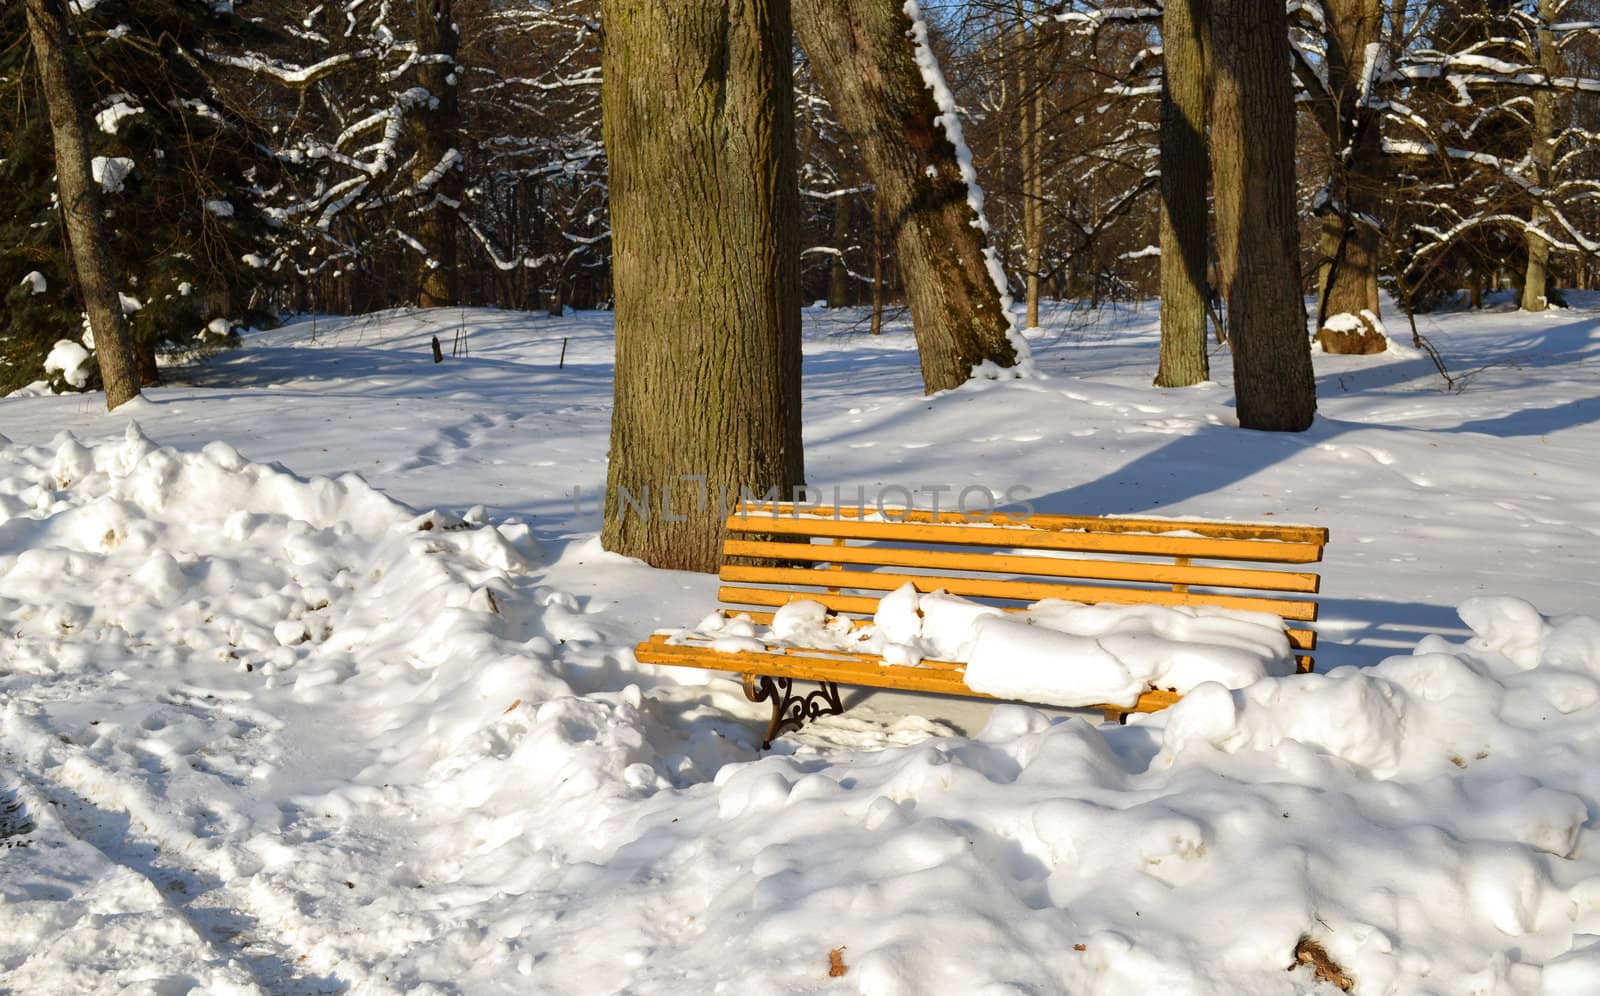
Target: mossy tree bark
[699, 132]
[438, 130]
[80, 201]
[1184, 165]
[1253, 164]
[863, 55]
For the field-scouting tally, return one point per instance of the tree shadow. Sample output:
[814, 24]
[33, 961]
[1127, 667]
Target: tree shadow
[1215, 457]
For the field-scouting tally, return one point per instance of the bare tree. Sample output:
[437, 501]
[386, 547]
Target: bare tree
[80, 201]
[699, 132]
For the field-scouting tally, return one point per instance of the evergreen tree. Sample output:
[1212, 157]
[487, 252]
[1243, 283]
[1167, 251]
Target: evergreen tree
[181, 177]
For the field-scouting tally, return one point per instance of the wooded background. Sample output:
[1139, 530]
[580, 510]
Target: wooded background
[345, 157]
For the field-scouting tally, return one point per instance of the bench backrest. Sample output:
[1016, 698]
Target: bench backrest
[776, 553]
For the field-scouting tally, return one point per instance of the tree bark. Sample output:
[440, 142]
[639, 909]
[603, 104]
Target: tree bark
[1253, 170]
[1030, 122]
[1347, 277]
[838, 276]
[80, 201]
[1184, 164]
[877, 264]
[145, 362]
[866, 61]
[438, 140]
[699, 132]
[1534, 290]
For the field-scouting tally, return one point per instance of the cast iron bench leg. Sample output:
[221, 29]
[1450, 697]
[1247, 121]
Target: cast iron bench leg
[791, 711]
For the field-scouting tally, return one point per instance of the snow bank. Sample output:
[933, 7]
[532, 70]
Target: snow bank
[1426, 820]
[264, 672]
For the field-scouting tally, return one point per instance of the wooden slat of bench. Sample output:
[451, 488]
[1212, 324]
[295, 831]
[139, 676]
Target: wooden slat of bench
[1046, 566]
[1022, 591]
[662, 639]
[1299, 639]
[1284, 532]
[1137, 544]
[870, 672]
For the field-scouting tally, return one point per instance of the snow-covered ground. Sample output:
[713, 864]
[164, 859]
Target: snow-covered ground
[267, 727]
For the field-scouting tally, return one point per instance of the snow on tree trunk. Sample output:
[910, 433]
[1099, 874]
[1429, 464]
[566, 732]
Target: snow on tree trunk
[882, 80]
[699, 131]
[80, 201]
[1253, 166]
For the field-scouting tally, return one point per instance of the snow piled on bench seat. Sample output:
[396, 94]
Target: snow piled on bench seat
[1057, 652]
[1069, 654]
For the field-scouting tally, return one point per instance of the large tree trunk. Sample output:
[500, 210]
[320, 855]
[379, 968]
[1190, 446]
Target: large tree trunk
[1534, 290]
[1184, 162]
[1347, 273]
[865, 59]
[438, 145]
[80, 202]
[699, 131]
[1253, 163]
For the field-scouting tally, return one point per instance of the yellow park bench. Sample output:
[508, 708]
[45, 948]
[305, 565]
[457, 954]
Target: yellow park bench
[776, 553]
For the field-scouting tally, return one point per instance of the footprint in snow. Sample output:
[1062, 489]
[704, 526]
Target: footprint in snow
[14, 818]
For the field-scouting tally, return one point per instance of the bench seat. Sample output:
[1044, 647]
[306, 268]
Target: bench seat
[848, 558]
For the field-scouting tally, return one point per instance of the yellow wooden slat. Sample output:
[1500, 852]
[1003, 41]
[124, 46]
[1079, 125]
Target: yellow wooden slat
[847, 671]
[1282, 532]
[660, 639]
[1299, 639]
[1137, 544]
[1023, 591]
[1045, 566]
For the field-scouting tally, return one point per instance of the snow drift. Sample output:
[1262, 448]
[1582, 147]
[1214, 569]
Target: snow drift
[263, 733]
